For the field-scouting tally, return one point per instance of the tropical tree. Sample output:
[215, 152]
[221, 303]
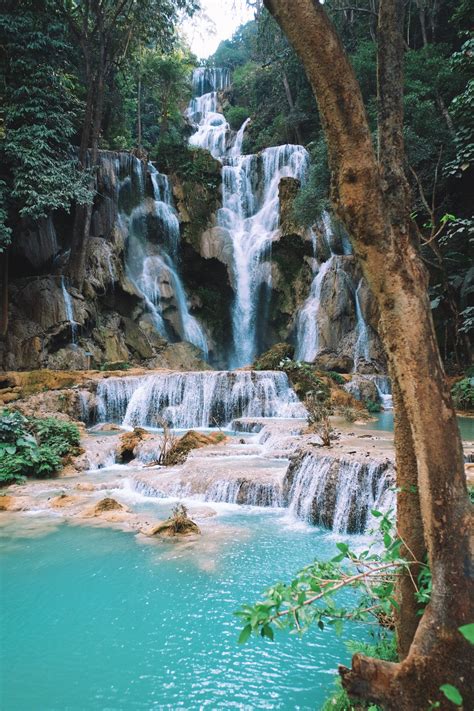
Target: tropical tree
[106, 31]
[371, 196]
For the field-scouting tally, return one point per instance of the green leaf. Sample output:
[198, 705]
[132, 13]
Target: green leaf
[451, 693]
[267, 632]
[343, 547]
[376, 513]
[467, 631]
[245, 634]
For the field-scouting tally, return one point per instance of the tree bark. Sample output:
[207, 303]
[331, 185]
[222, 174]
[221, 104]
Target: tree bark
[4, 293]
[291, 104]
[383, 241]
[409, 527]
[89, 152]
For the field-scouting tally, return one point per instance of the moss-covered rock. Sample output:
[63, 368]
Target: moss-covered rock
[271, 359]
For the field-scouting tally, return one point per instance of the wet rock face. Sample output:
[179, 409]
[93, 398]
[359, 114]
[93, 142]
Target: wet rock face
[362, 389]
[287, 192]
[128, 443]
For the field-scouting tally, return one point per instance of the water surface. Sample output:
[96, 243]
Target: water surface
[94, 619]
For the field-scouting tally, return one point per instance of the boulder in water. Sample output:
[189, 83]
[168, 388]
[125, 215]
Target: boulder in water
[179, 524]
[105, 506]
[128, 442]
[189, 441]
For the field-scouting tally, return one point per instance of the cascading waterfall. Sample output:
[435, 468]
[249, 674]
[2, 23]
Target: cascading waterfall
[69, 308]
[153, 267]
[337, 493]
[234, 491]
[384, 390]
[196, 399]
[250, 205]
[307, 327]
[362, 346]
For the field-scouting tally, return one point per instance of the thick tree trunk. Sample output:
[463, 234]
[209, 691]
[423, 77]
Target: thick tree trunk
[88, 158]
[409, 527]
[385, 248]
[291, 104]
[4, 293]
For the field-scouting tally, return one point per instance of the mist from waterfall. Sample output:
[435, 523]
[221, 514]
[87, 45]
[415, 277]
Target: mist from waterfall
[250, 205]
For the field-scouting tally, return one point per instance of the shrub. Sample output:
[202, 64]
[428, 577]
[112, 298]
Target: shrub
[463, 394]
[32, 446]
[349, 414]
[336, 377]
[372, 406]
[318, 418]
[304, 379]
[236, 115]
[116, 365]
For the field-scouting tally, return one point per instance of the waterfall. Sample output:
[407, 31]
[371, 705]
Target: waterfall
[151, 265]
[338, 494]
[307, 327]
[69, 308]
[250, 205]
[243, 491]
[362, 346]
[231, 491]
[196, 399]
[384, 390]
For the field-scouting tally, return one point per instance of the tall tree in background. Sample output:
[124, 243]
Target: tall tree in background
[39, 169]
[370, 195]
[105, 31]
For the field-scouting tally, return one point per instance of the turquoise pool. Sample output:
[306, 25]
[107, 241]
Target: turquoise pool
[95, 619]
[384, 422]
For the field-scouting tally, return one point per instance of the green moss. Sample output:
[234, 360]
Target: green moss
[271, 359]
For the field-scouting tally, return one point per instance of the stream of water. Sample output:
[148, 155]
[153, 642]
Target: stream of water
[96, 619]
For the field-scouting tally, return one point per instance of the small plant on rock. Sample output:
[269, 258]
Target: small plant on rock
[373, 407]
[318, 418]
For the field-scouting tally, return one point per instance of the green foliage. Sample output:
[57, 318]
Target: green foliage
[304, 378]
[372, 406]
[115, 365]
[383, 647]
[40, 169]
[451, 693]
[467, 631]
[312, 597]
[336, 377]
[236, 115]
[33, 446]
[463, 394]
[274, 357]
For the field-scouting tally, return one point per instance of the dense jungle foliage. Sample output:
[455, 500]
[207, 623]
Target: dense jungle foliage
[34, 446]
[58, 85]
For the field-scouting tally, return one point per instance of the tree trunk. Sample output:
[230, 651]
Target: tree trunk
[409, 527]
[139, 112]
[88, 158]
[382, 239]
[291, 104]
[4, 293]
